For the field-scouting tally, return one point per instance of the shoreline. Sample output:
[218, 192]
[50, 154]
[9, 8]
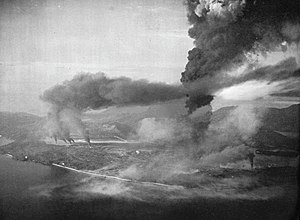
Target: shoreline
[10, 156]
[114, 177]
[182, 185]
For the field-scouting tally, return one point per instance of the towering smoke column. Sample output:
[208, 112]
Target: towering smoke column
[92, 91]
[228, 34]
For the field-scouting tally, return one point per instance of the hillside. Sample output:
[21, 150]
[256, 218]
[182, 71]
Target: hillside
[19, 126]
[123, 121]
[285, 120]
[279, 126]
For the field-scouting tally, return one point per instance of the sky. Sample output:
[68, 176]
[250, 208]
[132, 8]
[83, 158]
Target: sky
[44, 42]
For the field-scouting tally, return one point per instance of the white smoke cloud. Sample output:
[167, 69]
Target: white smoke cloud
[258, 57]
[224, 141]
[226, 9]
[249, 90]
[230, 155]
[245, 119]
[61, 123]
[163, 129]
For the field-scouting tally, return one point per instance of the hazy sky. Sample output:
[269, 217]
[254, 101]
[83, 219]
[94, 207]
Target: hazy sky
[45, 42]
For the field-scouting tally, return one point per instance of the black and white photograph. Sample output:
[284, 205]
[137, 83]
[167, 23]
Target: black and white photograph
[149, 109]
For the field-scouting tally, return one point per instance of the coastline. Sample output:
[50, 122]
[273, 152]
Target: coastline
[113, 177]
[9, 156]
[152, 197]
[230, 183]
[110, 160]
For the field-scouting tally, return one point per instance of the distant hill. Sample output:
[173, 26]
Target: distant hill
[122, 121]
[285, 120]
[20, 125]
[221, 113]
[280, 127]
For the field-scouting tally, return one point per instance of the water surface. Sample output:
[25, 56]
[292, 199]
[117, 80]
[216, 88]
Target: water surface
[35, 191]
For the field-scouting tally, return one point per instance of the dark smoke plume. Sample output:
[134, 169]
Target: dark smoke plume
[92, 91]
[225, 31]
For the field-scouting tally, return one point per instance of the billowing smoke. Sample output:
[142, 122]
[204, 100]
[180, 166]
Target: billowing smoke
[163, 130]
[61, 121]
[230, 155]
[92, 91]
[227, 140]
[237, 36]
